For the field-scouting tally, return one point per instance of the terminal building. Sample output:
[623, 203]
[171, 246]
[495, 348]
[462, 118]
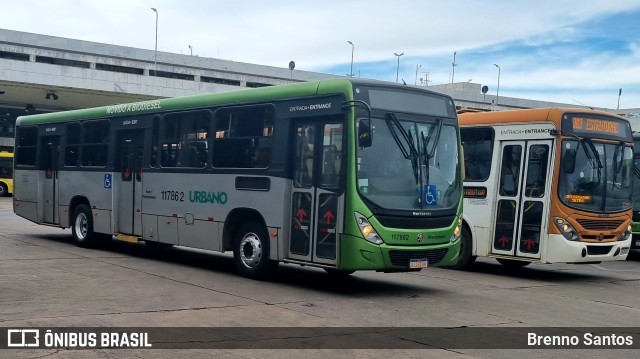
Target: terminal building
[41, 73]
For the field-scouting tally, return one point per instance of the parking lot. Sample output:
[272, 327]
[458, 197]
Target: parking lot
[46, 281]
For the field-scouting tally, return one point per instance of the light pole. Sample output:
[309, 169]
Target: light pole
[155, 56]
[453, 65]
[191, 49]
[417, 68]
[498, 89]
[398, 68]
[352, 47]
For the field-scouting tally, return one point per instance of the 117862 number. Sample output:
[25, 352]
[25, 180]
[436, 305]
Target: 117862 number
[177, 196]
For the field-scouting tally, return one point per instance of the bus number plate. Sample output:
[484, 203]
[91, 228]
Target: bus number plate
[418, 263]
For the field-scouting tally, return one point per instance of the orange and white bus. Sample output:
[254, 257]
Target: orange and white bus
[546, 185]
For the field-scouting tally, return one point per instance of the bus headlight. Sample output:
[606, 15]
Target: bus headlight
[626, 234]
[367, 230]
[566, 229]
[456, 232]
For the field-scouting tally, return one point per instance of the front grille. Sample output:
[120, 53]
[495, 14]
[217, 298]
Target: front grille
[599, 225]
[414, 222]
[598, 250]
[596, 237]
[402, 258]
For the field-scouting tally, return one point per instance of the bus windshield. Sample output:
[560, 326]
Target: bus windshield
[411, 167]
[596, 176]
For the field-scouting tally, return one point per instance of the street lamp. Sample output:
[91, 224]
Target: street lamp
[191, 49]
[498, 89]
[155, 56]
[352, 46]
[453, 66]
[398, 68]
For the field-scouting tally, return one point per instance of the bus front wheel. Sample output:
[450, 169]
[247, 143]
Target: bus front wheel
[251, 251]
[465, 257]
[82, 228]
[4, 191]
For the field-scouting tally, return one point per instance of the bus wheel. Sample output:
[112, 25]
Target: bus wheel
[513, 264]
[4, 191]
[338, 272]
[82, 228]
[251, 251]
[465, 259]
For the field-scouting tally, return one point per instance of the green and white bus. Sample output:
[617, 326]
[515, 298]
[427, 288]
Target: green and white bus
[340, 174]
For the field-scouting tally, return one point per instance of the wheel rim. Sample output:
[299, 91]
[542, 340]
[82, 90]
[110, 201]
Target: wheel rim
[250, 250]
[81, 226]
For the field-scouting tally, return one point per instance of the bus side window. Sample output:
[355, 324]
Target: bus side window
[478, 152]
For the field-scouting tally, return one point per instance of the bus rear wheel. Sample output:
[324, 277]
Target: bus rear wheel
[251, 251]
[82, 227]
[4, 191]
[513, 264]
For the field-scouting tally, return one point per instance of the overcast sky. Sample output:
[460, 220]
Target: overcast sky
[568, 51]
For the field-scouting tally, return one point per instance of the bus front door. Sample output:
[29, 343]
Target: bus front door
[129, 181]
[523, 198]
[49, 160]
[318, 192]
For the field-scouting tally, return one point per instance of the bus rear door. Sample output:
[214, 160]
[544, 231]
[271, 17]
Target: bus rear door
[316, 203]
[49, 147]
[129, 182]
[523, 198]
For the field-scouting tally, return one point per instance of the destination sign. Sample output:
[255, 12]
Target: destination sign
[475, 192]
[577, 198]
[597, 126]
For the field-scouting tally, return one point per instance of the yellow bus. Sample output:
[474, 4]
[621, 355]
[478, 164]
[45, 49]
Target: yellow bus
[6, 173]
[546, 185]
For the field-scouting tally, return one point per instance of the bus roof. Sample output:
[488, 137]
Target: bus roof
[523, 115]
[302, 89]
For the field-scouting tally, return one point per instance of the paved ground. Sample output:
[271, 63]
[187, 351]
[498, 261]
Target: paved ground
[46, 281]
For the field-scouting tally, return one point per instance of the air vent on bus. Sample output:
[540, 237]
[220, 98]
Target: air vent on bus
[599, 225]
[598, 250]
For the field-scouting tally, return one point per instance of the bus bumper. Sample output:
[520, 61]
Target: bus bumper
[560, 250]
[358, 254]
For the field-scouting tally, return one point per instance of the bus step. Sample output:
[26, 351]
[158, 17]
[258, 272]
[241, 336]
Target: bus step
[127, 238]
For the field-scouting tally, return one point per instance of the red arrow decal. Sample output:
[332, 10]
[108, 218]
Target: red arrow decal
[503, 241]
[127, 173]
[328, 216]
[529, 243]
[301, 214]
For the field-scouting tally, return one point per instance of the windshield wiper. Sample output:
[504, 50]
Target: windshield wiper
[617, 166]
[596, 157]
[413, 152]
[426, 154]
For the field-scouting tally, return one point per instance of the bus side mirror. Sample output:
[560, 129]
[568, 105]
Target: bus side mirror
[364, 133]
[569, 161]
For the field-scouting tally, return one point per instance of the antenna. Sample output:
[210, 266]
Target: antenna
[583, 104]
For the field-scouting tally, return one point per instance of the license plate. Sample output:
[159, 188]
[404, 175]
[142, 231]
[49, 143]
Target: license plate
[624, 251]
[418, 263]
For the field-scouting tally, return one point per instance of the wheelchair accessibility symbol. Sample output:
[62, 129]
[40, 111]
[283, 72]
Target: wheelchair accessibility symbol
[430, 195]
